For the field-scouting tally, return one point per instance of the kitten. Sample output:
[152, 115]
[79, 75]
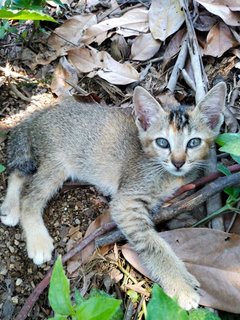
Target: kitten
[137, 162]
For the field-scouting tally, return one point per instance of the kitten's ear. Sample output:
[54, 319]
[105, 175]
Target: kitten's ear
[147, 109]
[212, 105]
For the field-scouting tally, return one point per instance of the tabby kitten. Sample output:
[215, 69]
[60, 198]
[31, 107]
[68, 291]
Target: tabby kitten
[138, 162]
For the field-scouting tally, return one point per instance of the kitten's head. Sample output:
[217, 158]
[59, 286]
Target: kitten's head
[179, 139]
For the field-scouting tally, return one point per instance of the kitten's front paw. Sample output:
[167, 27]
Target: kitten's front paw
[188, 298]
[9, 215]
[40, 247]
[185, 291]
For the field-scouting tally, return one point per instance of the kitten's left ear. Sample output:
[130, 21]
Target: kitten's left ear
[212, 105]
[147, 109]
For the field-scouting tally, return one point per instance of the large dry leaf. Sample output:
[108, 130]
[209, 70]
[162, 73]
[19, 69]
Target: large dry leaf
[102, 64]
[135, 20]
[174, 45]
[212, 256]
[165, 18]
[219, 40]
[224, 9]
[64, 71]
[70, 33]
[144, 47]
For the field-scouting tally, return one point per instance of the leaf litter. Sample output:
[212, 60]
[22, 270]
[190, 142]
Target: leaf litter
[86, 58]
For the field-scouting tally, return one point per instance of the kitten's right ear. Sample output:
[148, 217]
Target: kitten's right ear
[212, 106]
[147, 109]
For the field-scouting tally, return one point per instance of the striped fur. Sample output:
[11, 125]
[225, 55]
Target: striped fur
[120, 156]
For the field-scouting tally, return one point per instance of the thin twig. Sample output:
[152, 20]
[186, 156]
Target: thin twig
[188, 80]
[182, 56]
[185, 205]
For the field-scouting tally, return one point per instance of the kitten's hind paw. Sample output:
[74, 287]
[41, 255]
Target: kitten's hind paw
[9, 215]
[40, 247]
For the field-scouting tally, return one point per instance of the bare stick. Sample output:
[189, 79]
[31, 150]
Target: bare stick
[182, 56]
[188, 80]
[185, 205]
[195, 55]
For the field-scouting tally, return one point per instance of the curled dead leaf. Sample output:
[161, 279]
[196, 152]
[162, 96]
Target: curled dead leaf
[70, 33]
[100, 63]
[135, 20]
[64, 71]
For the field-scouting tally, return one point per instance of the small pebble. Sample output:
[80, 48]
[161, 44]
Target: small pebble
[15, 300]
[19, 282]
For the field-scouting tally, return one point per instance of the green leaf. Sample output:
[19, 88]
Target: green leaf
[59, 3]
[28, 4]
[230, 143]
[2, 32]
[232, 191]
[77, 297]
[133, 295]
[58, 317]
[236, 158]
[232, 148]
[161, 306]
[25, 15]
[2, 168]
[202, 314]
[99, 306]
[222, 168]
[59, 290]
[224, 138]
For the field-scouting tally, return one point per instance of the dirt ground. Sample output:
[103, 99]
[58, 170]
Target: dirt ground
[72, 209]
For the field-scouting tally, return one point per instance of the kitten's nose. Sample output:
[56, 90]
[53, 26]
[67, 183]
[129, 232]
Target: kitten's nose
[178, 163]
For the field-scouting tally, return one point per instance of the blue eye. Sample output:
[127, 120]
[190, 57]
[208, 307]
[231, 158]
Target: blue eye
[193, 143]
[162, 143]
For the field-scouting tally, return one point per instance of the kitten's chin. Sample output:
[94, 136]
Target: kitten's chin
[177, 173]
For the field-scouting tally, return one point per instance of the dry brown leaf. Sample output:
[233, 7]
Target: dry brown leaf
[70, 33]
[87, 252]
[212, 256]
[224, 9]
[205, 22]
[120, 49]
[135, 20]
[144, 47]
[165, 18]
[174, 45]
[219, 40]
[64, 71]
[115, 275]
[100, 63]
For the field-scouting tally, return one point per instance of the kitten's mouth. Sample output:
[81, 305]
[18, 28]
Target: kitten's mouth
[179, 172]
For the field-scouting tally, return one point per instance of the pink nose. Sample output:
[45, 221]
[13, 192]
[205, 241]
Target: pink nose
[178, 164]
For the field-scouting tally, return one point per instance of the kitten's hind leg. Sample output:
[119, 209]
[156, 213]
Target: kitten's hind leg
[42, 187]
[10, 209]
